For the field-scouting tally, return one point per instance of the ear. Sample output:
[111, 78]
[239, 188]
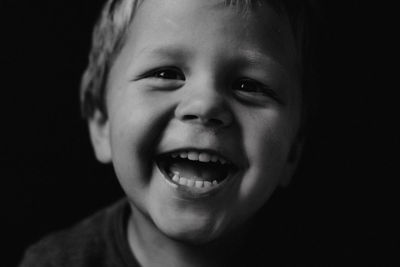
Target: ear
[100, 136]
[292, 161]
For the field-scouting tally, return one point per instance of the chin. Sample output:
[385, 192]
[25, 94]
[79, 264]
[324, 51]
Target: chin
[192, 236]
[196, 232]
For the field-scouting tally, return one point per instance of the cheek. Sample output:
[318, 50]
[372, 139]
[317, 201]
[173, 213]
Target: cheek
[136, 119]
[136, 122]
[267, 144]
[265, 171]
[125, 157]
[267, 137]
[126, 125]
[128, 131]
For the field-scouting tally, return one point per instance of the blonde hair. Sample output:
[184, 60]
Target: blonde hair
[110, 31]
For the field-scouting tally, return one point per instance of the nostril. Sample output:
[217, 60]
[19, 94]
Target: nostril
[206, 121]
[190, 117]
[215, 122]
[212, 113]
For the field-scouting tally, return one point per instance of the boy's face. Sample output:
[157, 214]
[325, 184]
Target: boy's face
[198, 78]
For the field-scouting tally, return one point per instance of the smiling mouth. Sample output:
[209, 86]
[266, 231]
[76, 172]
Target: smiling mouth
[196, 171]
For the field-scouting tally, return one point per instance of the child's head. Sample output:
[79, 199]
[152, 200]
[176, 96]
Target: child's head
[198, 105]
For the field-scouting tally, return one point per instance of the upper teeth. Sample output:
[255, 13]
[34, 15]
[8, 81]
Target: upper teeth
[199, 156]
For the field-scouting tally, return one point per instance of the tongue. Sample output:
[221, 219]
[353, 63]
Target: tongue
[198, 170]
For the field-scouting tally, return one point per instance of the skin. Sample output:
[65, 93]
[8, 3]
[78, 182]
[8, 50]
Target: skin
[197, 74]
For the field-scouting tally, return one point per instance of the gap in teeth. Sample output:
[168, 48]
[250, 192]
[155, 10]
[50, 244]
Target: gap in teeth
[192, 182]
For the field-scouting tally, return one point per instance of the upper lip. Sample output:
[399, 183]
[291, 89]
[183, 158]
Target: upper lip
[231, 159]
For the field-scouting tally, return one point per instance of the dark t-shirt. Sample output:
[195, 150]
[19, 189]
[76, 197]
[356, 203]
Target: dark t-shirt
[98, 241]
[101, 241]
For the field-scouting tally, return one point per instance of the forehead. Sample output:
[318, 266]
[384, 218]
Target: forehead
[259, 28]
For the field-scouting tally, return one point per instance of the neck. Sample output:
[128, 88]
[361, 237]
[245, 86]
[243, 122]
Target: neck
[151, 247]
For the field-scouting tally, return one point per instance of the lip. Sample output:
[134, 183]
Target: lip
[238, 164]
[194, 192]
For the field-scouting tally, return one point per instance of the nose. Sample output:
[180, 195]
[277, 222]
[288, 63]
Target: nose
[204, 106]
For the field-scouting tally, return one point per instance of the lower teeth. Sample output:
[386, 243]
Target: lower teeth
[192, 182]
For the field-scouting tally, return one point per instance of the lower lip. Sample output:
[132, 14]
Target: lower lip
[195, 192]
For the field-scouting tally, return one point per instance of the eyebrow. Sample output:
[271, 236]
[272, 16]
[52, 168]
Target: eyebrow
[255, 57]
[168, 51]
[243, 57]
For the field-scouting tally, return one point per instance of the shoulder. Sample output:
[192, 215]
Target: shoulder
[91, 242]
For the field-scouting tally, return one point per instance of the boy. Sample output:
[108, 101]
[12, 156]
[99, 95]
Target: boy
[199, 106]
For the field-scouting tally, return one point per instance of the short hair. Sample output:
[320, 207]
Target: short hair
[111, 29]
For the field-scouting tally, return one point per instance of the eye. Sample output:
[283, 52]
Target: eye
[171, 73]
[250, 87]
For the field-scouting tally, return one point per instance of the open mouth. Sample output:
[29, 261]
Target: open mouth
[194, 169]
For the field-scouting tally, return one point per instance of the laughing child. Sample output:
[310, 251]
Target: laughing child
[199, 106]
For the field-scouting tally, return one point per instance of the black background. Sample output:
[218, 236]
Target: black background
[345, 195]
